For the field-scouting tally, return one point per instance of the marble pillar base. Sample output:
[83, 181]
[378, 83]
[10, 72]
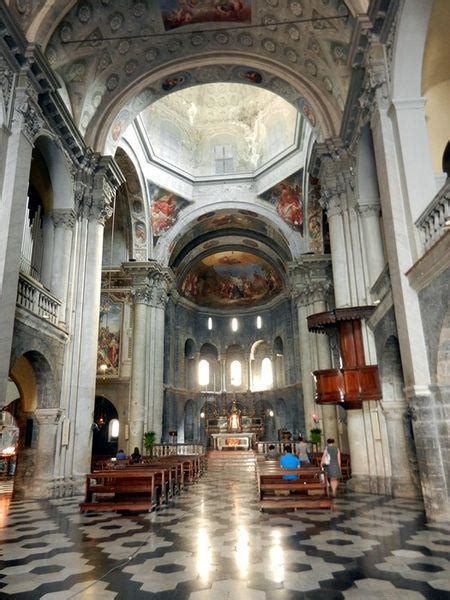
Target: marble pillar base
[404, 488]
[362, 484]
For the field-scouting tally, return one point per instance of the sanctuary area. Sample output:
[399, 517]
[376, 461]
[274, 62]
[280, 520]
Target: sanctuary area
[224, 239]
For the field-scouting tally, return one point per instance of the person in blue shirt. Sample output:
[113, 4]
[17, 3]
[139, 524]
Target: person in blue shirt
[289, 461]
[121, 455]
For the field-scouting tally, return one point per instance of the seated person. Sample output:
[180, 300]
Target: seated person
[272, 454]
[136, 456]
[289, 461]
[121, 455]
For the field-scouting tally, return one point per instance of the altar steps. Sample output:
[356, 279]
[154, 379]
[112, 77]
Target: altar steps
[231, 461]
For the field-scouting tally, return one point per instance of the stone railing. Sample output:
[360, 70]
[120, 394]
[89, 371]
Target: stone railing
[173, 449]
[435, 220]
[32, 296]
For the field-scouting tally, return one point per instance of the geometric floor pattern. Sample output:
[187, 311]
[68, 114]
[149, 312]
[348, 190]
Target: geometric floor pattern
[215, 544]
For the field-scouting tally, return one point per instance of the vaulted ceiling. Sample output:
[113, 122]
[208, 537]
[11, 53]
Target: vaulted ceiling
[113, 54]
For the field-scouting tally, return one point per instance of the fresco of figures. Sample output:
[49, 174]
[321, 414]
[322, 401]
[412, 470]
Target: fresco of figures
[315, 217]
[165, 207]
[232, 278]
[176, 13]
[287, 197]
[108, 350]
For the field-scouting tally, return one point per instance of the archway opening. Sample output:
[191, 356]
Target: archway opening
[106, 429]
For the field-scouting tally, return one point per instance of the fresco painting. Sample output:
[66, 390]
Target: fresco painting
[315, 217]
[108, 350]
[287, 197]
[165, 207]
[176, 13]
[231, 278]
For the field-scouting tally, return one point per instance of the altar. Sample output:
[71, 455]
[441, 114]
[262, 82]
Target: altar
[233, 440]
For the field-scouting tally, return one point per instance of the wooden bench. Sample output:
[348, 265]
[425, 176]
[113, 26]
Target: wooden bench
[121, 489]
[305, 491]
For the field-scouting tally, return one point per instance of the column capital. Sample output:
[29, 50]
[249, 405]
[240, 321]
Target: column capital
[64, 217]
[96, 186]
[47, 416]
[369, 210]
[150, 282]
[27, 114]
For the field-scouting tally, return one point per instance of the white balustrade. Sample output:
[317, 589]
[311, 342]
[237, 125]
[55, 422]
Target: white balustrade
[32, 296]
[435, 220]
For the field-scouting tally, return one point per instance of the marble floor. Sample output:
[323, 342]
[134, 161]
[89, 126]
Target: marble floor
[214, 543]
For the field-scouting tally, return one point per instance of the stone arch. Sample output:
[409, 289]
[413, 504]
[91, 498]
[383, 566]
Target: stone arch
[104, 412]
[134, 190]
[41, 391]
[58, 168]
[291, 85]
[166, 243]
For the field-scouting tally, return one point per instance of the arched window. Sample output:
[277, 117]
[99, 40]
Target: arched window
[209, 323]
[236, 373]
[203, 372]
[266, 372]
[258, 322]
[114, 429]
[234, 324]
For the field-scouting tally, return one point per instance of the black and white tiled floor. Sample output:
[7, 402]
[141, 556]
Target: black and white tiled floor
[214, 544]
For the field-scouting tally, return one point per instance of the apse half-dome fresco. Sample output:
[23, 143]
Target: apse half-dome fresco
[231, 278]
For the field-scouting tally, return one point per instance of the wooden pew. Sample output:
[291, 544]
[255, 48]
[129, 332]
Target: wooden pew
[305, 491]
[120, 489]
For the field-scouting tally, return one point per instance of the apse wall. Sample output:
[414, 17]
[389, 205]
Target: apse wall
[187, 332]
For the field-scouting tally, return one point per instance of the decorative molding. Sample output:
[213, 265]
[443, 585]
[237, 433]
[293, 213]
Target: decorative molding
[47, 416]
[64, 217]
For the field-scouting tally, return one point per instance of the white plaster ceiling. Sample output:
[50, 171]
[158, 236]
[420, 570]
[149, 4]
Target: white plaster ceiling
[186, 129]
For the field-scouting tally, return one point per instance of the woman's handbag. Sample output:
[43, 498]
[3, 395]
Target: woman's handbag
[326, 458]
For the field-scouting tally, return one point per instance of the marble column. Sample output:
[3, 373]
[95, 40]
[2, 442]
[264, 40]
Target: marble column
[16, 157]
[141, 296]
[100, 184]
[64, 221]
[41, 483]
[160, 279]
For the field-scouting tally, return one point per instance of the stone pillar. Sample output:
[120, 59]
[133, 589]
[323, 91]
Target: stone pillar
[310, 280]
[402, 481]
[100, 183]
[141, 297]
[223, 373]
[329, 417]
[398, 175]
[160, 279]
[16, 159]
[64, 221]
[42, 482]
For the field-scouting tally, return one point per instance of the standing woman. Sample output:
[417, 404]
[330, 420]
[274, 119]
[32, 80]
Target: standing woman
[331, 460]
[303, 451]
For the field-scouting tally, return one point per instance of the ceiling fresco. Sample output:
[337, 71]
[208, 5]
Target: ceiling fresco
[176, 13]
[252, 229]
[164, 209]
[287, 197]
[100, 49]
[231, 278]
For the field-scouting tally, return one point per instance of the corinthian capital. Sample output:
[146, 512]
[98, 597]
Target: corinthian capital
[27, 114]
[96, 187]
[64, 217]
